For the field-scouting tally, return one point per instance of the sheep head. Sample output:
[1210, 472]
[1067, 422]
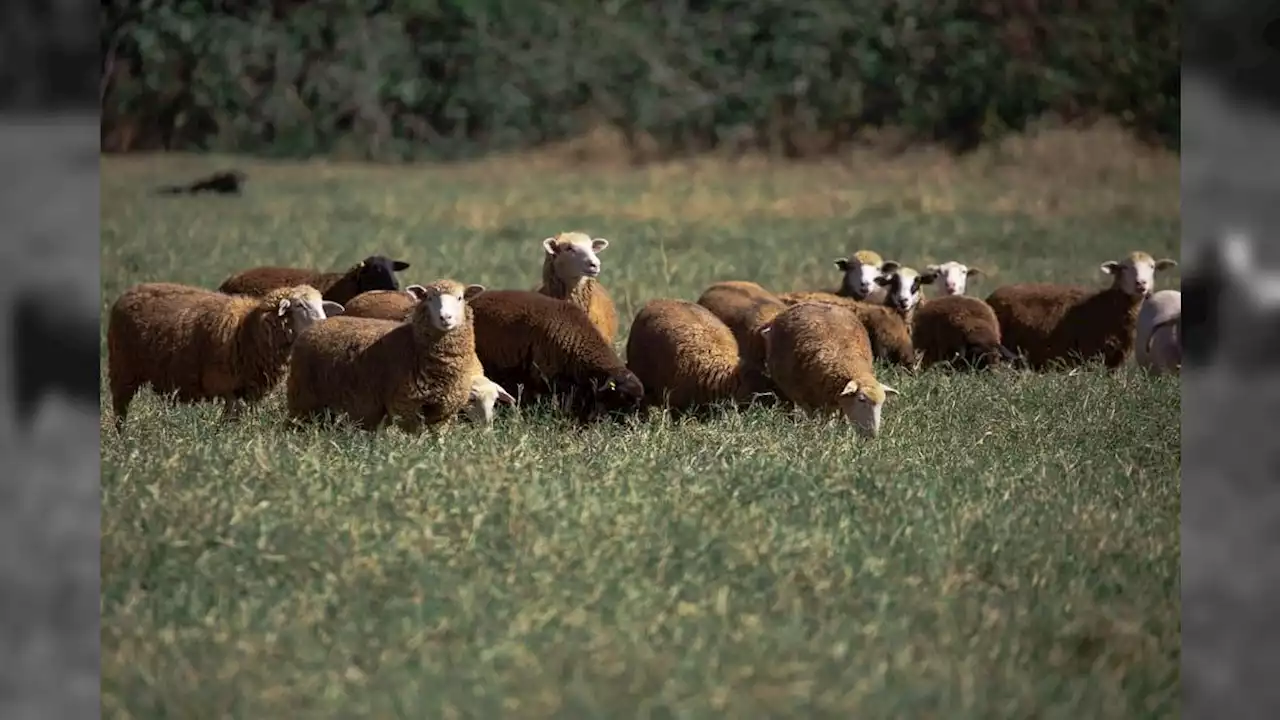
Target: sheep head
[300, 307]
[1135, 275]
[862, 402]
[860, 272]
[954, 276]
[443, 305]
[904, 285]
[574, 256]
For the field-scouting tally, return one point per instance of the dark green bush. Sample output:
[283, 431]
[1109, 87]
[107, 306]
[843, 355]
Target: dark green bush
[455, 78]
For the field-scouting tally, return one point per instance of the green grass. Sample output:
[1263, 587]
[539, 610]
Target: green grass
[1008, 547]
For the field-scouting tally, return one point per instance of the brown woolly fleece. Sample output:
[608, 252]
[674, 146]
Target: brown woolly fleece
[744, 307]
[199, 344]
[1066, 325]
[951, 327]
[372, 273]
[587, 293]
[890, 336]
[534, 345]
[372, 370]
[394, 305]
[687, 358]
[815, 349]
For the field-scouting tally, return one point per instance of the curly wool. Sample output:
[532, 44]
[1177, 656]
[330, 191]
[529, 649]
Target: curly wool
[745, 307]
[890, 336]
[953, 327]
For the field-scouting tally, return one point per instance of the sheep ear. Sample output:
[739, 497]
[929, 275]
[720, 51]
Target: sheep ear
[843, 264]
[883, 280]
[889, 266]
[928, 278]
[1166, 263]
[972, 271]
[549, 245]
[399, 265]
[331, 308]
[472, 291]
[417, 291]
[888, 390]
[850, 388]
[935, 269]
[504, 396]
[599, 244]
[1110, 267]
[282, 308]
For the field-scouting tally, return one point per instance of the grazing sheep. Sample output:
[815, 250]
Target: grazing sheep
[1069, 325]
[954, 277]
[821, 359]
[205, 345]
[958, 328]
[904, 288]
[687, 359]
[744, 307]
[1158, 346]
[537, 346]
[861, 270]
[413, 373]
[373, 273]
[385, 304]
[570, 271]
[485, 394]
[890, 335]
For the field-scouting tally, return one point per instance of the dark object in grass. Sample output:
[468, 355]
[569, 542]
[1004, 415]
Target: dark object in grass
[375, 272]
[52, 350]
[227, 182]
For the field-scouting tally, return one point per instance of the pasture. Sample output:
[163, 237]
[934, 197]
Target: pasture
[1008, 547]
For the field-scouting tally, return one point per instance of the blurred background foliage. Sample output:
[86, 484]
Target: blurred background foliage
[450, 79]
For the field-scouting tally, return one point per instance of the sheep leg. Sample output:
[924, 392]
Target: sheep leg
[121, 396]
[231, 406]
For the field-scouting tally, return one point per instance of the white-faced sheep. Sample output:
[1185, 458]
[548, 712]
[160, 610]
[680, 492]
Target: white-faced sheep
[413, 373]
[744, 307]
[1068, 325]
[1158, 346]
[385, 304]
[959, 331]
[485, 395]
[952, 278]
[904, 288]
[535, 346]
[820, 357]
[373, 273]
[205, 345]
[687, 359]
[571, 271]
[890, 335]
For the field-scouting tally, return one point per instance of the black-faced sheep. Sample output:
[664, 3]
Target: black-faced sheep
[904, 288]
[571, 271]
[744, 307]
[952, 277]
[385, 304]
[413, 373]
[204, 345]
[1158, 345]
[860, 272]
[1068, 325]
[534, 346]
[687, 359]
[820, 356]
[959, 331]
[373, 273]
[890, 335]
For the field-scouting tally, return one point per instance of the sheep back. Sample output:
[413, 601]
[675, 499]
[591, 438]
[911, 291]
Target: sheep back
[951, 327]
[744, 307]
[1066, 325]
[381, 305]
[814, 350]
[890, 336]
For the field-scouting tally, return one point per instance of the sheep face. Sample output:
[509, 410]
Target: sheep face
[378, 273]
[445, 304]
[574, 255]
[860, 273]
[862, 404]
[954, 276]
[904, 285]
[1136, 274]
[301, 307]
[485, 394]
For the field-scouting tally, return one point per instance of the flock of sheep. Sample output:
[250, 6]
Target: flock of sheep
[354, 344]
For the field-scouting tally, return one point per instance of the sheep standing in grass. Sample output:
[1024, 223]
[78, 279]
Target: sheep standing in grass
[820, 356]
[960, 331]
[373, 273]
[537, 346]
[952, 277]
[744, 307]
[904, 288]
[205, 345]
[570, 271]
[385, 304]
[1158, 346]
[687, 359]
[890, 335]
[1049, 323]
[413, 373]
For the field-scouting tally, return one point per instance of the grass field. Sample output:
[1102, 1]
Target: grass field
[1008, 547]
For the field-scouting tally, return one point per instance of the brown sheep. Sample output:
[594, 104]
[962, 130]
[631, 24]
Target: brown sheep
[1069, 325]
[385, 304]
[744, 307]
[688, 359]
[571, 271]
[890, 335]
[373, 273]
[204, 345]
[958, 328]
[820, 357]
[537, 346]
[413, 373]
